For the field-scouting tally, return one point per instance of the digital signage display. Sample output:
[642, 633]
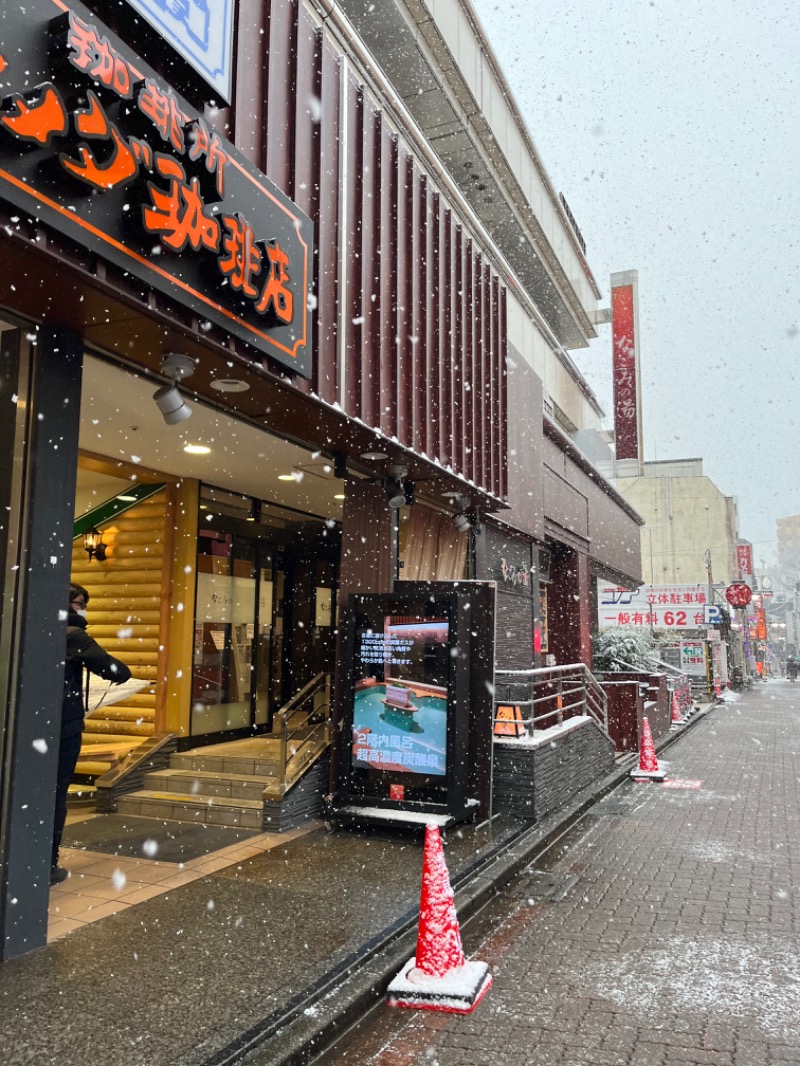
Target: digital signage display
[401, 696]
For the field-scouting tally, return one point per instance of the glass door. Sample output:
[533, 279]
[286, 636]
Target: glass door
[225, 623]
[264, 615]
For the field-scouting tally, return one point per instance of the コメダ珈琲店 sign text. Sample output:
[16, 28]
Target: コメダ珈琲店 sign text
[94, 144]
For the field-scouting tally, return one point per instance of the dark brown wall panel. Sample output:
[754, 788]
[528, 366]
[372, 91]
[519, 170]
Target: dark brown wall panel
[387, 415]
[446, 271]
[406, 266]
[433, 325]
[417, 318]
[423, 331]
[367, 408]
[252, 51]
[281, 92]
[501, 488]
[305, 177]
[327, 230]
[457, 347]
[353, 191]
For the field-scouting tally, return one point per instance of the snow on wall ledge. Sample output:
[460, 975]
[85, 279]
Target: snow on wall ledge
[532, 778]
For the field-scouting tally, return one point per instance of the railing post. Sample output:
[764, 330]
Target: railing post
[560, 700]
[284, 747]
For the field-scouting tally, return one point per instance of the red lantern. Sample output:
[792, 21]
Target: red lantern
[738, 594]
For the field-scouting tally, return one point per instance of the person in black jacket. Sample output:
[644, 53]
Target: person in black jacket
[82, 651]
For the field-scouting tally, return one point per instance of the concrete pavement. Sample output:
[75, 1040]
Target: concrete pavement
[661, 930]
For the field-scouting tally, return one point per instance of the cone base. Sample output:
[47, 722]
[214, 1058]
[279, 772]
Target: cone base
[458, 992]
[648, 775]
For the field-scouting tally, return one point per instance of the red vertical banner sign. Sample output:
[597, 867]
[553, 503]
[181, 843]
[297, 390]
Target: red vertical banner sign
[744, 559]
[627, 387]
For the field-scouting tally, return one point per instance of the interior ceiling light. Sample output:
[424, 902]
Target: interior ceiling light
[296, 475]
[169, 401]
[339, 496]
[374, 456]
[196, 449]
[230, 385]
[128, 499]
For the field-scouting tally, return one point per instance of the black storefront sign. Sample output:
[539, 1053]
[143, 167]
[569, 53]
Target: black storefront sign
[415, 717]
[93, 143]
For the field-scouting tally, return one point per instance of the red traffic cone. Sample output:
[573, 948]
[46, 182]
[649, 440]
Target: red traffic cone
[648, 763]
[717, 689]
[438, 977]
[677, 717]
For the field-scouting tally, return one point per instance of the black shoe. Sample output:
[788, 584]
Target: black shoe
[58, 874]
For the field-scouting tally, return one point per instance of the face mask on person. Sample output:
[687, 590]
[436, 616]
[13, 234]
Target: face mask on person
[81, 613]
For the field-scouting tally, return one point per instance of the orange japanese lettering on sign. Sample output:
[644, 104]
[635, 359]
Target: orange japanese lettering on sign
[276, 295]
[242, 259]
[94, 55]
[178, 216]
[162, 109]
[121, 164]
[203, 144]
[38, 116]
[95, 151]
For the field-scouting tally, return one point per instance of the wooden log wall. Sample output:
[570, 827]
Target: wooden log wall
[127, 610]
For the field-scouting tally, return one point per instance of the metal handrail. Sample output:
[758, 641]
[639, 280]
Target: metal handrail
[573, 687]
[317, 738]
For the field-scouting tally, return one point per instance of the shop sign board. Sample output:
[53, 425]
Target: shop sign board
[712, 614]
[627, 386]
[652, 606]
[693, 657]
[199, 30]
[405, 705]
[744, 558]
[95, 144]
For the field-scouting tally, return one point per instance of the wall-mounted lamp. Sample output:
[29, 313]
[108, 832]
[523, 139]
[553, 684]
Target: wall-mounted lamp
[93, 543]
[168, 399]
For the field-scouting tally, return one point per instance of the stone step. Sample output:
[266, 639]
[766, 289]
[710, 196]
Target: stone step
[205, 784]
[175, 806]
[265, 764]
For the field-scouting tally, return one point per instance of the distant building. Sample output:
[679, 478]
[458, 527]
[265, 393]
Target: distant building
[686, 516]
[789, 542]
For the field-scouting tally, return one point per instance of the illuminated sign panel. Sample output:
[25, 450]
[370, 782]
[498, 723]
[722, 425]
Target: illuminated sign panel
[400, 699]
[199, 30]
[94, 144]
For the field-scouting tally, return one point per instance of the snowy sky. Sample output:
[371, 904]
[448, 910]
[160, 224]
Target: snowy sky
[673, 130]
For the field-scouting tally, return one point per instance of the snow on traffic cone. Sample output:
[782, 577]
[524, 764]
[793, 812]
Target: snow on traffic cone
[717, 689]
[438, 977]
[648, 763]
[677, 717]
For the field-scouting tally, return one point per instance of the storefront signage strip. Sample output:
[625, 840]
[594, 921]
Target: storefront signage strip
[190, 194]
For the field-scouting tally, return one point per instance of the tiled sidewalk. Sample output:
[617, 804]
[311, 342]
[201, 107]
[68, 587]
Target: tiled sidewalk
[100, 885]
[662, 930]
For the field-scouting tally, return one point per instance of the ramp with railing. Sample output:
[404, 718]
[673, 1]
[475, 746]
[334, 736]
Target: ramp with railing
[546, 696]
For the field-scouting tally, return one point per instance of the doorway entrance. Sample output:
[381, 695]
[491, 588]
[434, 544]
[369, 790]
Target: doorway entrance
[264, 613]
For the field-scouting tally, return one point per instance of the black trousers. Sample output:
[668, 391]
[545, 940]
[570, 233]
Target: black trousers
[68, 751]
